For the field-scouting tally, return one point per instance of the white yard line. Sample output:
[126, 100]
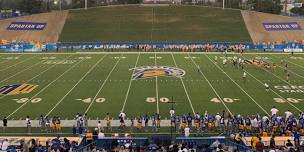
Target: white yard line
[239, 87]
[40, 74]
[17, 63]
[274, 91]
[289, 61]
[45, 88]
[292, 71]
[4, 61]
[88, 72]
[21, 71]
[101, 87]
[182, 81]
[156, 87]
[217, 94]
[295, 64]
[274, 75]
[130, 83]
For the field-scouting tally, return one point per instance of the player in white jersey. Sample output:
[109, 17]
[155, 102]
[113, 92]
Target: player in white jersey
[172, 113]
[224, 61]
[274, 111]
[288, 114]
[122, 115]
[244, 76]
[266, 87]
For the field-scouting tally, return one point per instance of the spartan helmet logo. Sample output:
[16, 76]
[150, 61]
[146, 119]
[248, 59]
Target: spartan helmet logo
[146, 72]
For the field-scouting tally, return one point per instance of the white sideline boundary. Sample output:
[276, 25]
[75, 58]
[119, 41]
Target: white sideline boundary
[29, 80]
[45, 88]
[101, 87]
[239, 87]
[185, 89]
[85, 75]
[211, 86]
[130, 83]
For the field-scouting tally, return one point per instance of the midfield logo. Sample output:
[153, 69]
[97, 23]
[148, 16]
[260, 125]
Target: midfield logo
[146, 72]
[16, 89]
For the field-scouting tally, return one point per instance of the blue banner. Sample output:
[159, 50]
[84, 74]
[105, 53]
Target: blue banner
[282, 26]
[25, 47]
[27, 26]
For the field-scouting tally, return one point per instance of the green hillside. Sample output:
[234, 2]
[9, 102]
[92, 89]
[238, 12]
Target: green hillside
[155, 24]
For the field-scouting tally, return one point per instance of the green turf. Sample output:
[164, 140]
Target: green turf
[108, 76]
[155, 24]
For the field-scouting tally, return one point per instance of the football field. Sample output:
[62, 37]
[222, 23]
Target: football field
[146, 83]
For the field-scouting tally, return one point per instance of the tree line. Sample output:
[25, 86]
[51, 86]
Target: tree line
[38, 6]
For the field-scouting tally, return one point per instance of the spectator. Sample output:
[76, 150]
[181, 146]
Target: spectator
[296, 138]
[289, 144]
[95, 134]
[66, 145]
[254, 140]
[5, 145]
[24, 146]
[272, 144]
[89, 137]
[260, 145]
[33, 146]
[101, 135]
[215, 144]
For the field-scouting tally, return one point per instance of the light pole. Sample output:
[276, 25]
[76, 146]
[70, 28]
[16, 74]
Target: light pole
[85, 4]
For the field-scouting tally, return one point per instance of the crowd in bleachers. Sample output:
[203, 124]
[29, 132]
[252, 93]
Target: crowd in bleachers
[116, 146]
[38, 145]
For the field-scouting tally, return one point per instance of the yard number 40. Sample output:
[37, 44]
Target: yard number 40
[89, 100]
[227, 100]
